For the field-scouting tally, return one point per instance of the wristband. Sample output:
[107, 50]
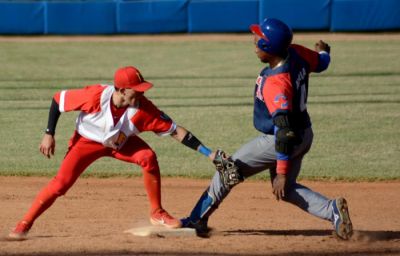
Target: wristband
[47, 131]
[204, 150]
[191, 141]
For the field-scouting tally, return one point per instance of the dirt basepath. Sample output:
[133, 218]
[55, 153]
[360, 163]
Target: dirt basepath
[91, 218]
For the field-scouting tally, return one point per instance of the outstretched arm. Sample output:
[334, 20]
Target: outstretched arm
[228, 171]
[188, 139]
[319, 59]
[324, 51]
[48, 144]
[322, 46]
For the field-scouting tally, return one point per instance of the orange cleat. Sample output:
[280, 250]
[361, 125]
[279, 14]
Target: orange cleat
[162, 217]
[20, 231]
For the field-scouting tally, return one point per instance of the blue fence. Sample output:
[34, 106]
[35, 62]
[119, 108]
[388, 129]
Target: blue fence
[300, 15]
[222, 15]
[351, 15]
[175, 16]
[153, 16]
[80, 18]
[22, 18]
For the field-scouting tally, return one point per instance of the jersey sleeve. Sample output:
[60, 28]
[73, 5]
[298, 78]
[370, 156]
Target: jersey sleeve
[318, 61]
[278, 95]
[86, 99]
[150, 118]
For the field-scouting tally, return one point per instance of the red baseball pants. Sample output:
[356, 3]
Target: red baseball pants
[81, 153]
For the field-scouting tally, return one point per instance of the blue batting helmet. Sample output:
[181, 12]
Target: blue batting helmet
[275, 35]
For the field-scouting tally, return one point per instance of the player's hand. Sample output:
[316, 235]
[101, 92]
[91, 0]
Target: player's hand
[212, 155]
[322, 46]
[48, 145]
[279, 186]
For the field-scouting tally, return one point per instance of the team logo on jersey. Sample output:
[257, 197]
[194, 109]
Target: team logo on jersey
[259, 80]
[281, 101]
[120, 140]
[258, 89]
[165, 116]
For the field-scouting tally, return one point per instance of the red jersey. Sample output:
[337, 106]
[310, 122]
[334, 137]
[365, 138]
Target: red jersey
[95, 121]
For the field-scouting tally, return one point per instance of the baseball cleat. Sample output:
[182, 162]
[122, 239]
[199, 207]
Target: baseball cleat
[201, 226]
[341, 219]
[162, 217]
[20, 232]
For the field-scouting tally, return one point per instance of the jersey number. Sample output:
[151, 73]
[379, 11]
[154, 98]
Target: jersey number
[301, 87]
[303, 97]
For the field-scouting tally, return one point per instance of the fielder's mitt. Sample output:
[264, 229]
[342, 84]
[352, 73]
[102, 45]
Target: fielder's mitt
[227, 169]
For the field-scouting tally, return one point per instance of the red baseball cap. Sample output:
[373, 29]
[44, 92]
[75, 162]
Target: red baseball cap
[130, 77]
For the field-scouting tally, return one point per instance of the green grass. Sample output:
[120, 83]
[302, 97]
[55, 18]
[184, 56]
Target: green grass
[206, 87]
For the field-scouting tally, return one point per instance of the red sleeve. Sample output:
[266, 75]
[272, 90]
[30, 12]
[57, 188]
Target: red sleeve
[312, 57]
[86, 99]
[150, 118]
[282, 166]
[278, 95]
[277, 92]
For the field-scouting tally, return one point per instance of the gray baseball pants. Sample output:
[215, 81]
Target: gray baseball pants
[258, 155]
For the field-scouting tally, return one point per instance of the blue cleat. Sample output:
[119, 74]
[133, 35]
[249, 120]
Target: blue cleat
[201, 227]
[341, 219]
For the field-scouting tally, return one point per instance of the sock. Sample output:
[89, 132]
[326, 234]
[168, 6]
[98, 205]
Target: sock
[41, 203]
[152, 184]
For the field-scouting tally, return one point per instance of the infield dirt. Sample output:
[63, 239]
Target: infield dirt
[91, 217]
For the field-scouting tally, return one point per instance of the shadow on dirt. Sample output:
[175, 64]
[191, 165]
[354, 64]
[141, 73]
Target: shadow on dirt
[258, 232]
[374, 236]
[363, 236]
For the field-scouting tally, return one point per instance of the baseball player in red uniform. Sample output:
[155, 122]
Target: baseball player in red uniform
[110, 120]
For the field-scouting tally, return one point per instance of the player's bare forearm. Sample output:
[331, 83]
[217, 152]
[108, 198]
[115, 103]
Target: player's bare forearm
[179, 133]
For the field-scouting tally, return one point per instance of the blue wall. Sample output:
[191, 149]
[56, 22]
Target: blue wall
[176, 16]
[152, 16]
[309, 15]
[222, 15]
[351, 15]
[80, 18]
[22, 18]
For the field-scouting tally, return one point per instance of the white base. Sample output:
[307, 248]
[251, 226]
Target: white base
[161, 231]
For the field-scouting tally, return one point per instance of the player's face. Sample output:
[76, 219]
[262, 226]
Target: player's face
[263, 56]
[131, 97]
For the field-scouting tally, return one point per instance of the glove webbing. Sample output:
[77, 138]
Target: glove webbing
[228, 171]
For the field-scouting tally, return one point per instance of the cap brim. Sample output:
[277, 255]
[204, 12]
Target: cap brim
[141, 87]
[255, 28]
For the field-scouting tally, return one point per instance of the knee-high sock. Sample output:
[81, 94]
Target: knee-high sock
[80, 155]
[152, 184]
[42, 202]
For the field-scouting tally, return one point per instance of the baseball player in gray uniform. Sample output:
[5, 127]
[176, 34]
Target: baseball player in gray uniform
[280, 114]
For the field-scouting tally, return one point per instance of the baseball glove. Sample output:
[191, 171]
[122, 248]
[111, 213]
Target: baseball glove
[228, 171]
